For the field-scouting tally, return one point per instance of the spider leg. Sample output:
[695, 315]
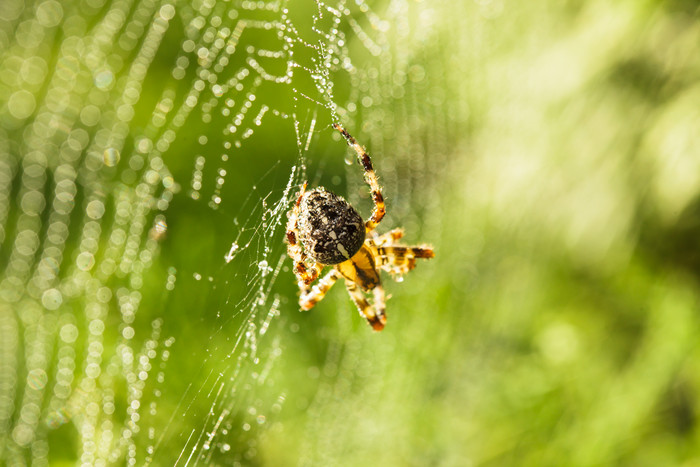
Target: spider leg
[374, 314]
[401, 259]
[305, 274]
[310, 296]
[388, 238]
[370, 178]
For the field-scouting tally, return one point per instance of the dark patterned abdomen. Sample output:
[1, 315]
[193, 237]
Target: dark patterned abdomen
[330, 230]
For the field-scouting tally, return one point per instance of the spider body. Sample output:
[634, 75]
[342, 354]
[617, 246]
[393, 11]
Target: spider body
[330, 229]
[325, 230]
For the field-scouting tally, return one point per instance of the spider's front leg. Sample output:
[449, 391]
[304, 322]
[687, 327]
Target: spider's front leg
[310, 296]
[305, 274]
[370, 178]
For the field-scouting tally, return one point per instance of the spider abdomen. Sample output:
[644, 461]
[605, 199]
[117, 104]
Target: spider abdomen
[330, 229]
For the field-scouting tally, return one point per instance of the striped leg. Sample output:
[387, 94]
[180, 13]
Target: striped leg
[380, 304]
[305, 274]
[375, 317]
[388, 238]
[370, 178]
[310, 296]
[401, 259]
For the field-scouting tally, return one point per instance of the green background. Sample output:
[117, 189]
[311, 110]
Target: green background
[548, 151]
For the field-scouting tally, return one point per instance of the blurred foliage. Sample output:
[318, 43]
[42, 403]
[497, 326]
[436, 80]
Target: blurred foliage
[549, 151]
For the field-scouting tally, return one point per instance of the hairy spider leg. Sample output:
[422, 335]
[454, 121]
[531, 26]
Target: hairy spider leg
[306, 274]
[380, 304]
[375, 317]
[370, 178]
[401, 259]
[388, 238]
[310, 296]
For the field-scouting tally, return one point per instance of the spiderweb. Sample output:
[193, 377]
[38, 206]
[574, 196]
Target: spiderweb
[128, 206]
[149, 150]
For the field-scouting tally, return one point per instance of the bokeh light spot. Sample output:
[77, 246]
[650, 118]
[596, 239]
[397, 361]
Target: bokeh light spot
[111, 157]
[69, 333]
[37, 378]
[52, 299]
[21, 104]
[49, 13]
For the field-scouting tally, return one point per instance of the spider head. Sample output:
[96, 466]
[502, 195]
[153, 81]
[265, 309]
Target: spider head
[330, 229]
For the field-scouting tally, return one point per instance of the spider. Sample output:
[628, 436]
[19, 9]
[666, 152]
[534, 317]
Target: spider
[325, 230]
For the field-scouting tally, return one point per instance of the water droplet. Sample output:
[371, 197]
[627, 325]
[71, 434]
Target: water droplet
[264, 268]
[231, 252]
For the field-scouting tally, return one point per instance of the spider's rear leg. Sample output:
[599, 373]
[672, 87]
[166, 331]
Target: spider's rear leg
[374, 314]
[401, 259]
[370, 178]
[310, 296]
[388, 238]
